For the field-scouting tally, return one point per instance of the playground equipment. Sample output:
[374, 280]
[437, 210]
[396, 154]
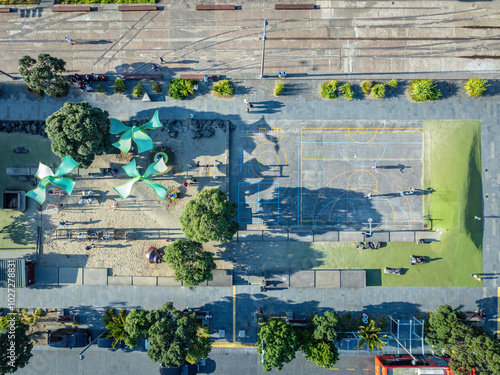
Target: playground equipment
[53, 208]
[45, 175]
[130, 169]
[140, 137]
[87, 199]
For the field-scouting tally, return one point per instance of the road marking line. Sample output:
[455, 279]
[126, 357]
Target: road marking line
[231, 345]
[234, 313]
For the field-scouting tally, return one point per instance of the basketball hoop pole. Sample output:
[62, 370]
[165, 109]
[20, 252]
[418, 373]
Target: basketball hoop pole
[370, 229]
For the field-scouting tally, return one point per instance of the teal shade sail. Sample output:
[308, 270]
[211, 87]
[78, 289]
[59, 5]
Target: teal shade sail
[134, 133]
[46, 177]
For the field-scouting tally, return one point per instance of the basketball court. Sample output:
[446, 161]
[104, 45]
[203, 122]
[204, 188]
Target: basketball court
[330, 174]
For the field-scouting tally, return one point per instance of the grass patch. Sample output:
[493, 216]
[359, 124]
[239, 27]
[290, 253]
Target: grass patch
[455, 175]
[18, 229]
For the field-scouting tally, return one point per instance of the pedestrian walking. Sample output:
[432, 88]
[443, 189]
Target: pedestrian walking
[205, 79]
[185, 184]
[69, 40]
[284, 73]
[411, 191]
[197, 164]
[368, 196]
[63, 222]
[195, 88]
[191, 116]
[280, 74]
[193, 180]
[402, 193]
[162, 61]
[246, 101]
[91, 246]
[375, 167]
[476, 277]
[155, 67]
[477, 218]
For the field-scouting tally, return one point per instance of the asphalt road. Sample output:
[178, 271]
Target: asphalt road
[221, 361]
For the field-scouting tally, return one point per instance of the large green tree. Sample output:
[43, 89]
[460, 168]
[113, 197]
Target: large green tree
[280, 343]
[80, 131]
[208, 217]
[192, 265]
[173, 337]
[469, 347]
[15, 345]
[317, 341]
[137, 325]
[370, 336]
[44, 75]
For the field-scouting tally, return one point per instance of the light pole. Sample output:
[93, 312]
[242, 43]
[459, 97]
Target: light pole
[263, 49]
[80, 355]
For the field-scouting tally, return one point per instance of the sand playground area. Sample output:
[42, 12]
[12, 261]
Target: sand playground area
[121, 235]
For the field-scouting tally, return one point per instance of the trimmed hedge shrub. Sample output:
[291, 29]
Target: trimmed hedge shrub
[422, 90]
[346, 90]
[138, 90]
[378, 90]
[393, 83]
[280, 85]
[329, 90]
[366, 87]
[157, 88]
[119, 85]
[224, 88]
[181, 88]
[476, 87]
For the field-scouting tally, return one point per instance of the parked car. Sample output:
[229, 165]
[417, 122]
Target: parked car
[69, 338]
[108, 343]
[182, 370]
[66, 315]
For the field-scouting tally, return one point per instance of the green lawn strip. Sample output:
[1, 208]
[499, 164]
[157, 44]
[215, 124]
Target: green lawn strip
[455, 176]
[18, 2]
[104, 1]
[18, 229]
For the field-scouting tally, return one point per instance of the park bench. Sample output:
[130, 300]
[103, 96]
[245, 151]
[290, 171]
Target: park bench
[215, 7]
[293, 6]
[72, 8]
[4, 10]
[155, 77]
[199, 77]
[137, 8]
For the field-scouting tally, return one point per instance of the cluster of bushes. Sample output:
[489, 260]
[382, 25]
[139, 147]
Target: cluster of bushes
[223, 88]
[181, 88]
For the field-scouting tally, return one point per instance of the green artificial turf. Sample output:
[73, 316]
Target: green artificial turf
[18, 229]
[454, 172]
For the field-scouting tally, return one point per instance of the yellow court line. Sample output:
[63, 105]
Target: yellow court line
[234, 313]
[351, 369]
[219, 344]
[334, 369]
[409, 131]
[348, 129]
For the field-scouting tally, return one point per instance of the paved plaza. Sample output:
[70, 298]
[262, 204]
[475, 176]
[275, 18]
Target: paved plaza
[295, 160]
